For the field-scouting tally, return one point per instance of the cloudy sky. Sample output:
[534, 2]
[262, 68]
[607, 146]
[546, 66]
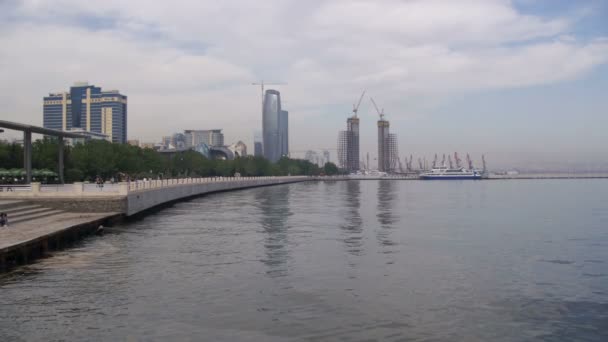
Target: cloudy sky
[523, 81]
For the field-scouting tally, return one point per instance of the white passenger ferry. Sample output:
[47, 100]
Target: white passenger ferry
[447, 173]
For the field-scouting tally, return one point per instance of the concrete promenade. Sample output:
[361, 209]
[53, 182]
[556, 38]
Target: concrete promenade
[44, 218]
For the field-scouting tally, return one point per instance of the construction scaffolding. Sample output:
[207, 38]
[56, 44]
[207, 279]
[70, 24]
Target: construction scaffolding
[348, 146]
[393, 153]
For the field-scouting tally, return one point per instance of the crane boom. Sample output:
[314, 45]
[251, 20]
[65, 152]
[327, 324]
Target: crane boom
[380, 112]
[356, 108]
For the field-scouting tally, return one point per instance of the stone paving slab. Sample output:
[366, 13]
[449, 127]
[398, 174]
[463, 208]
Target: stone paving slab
[24, 232]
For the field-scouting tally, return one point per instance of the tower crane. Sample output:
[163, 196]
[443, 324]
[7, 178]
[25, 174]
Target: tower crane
[262, 84]
[356, 107]
[380, 112]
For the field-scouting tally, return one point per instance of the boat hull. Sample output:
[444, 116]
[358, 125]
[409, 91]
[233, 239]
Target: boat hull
[449, 177]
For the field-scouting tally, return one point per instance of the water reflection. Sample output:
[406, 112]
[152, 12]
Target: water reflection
[353, 225]
[385, 213]
[274, 205]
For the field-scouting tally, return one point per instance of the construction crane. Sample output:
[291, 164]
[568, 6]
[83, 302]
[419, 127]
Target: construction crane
[356, 107]
[262, 84]
[380, 112]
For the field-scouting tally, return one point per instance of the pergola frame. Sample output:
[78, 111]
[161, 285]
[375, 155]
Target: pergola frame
[27, 144]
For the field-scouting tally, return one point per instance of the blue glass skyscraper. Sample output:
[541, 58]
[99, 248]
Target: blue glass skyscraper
[284, 132]
[89, 108]
[271, 125]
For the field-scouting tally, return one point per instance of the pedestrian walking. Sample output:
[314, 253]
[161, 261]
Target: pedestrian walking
[3, 220]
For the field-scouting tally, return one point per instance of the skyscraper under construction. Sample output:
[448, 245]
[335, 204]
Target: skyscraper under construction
[348, 145]
[383, 162]
[348, 141]
[387, 147]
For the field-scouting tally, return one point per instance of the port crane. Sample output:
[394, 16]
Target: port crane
[457, 160]
[469, 162]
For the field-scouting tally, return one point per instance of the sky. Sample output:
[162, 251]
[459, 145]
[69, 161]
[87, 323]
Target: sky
[524, 82]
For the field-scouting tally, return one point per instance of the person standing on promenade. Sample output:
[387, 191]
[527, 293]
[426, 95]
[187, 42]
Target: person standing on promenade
[3, 220]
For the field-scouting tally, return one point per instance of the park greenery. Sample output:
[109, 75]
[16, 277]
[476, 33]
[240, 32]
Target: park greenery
[85, 162]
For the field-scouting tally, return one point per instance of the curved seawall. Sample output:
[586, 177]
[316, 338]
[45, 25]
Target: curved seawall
[49, 218]
[157, 193]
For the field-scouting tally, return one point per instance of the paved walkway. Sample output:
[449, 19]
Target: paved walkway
[27, 231]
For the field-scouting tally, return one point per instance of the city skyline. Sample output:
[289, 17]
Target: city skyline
[519, 81]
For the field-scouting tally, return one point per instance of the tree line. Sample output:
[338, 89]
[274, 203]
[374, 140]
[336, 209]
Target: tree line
[99, 158]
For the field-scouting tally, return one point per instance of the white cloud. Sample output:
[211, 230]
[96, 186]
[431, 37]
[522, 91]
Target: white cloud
[192, 61]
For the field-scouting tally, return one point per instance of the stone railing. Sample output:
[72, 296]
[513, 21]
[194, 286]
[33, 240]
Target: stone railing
[163, 183]
[80, 189]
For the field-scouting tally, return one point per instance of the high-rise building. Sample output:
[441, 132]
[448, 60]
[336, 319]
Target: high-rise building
[348, 145]
[387, 148]
[275, 127]
[258, 148]
[393, 153]
[284, 132]
[383, 159]
[326, 158]
[89, 108]
[211, 137]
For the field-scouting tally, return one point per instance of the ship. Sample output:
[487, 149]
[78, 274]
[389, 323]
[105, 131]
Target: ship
[450, 173]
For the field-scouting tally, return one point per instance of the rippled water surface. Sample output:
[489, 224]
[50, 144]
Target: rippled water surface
[339, 261]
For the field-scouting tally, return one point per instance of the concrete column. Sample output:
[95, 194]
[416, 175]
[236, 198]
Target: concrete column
[35, 188]
[78, 187]
[123, 188]
[60, 161]
[27, 155]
